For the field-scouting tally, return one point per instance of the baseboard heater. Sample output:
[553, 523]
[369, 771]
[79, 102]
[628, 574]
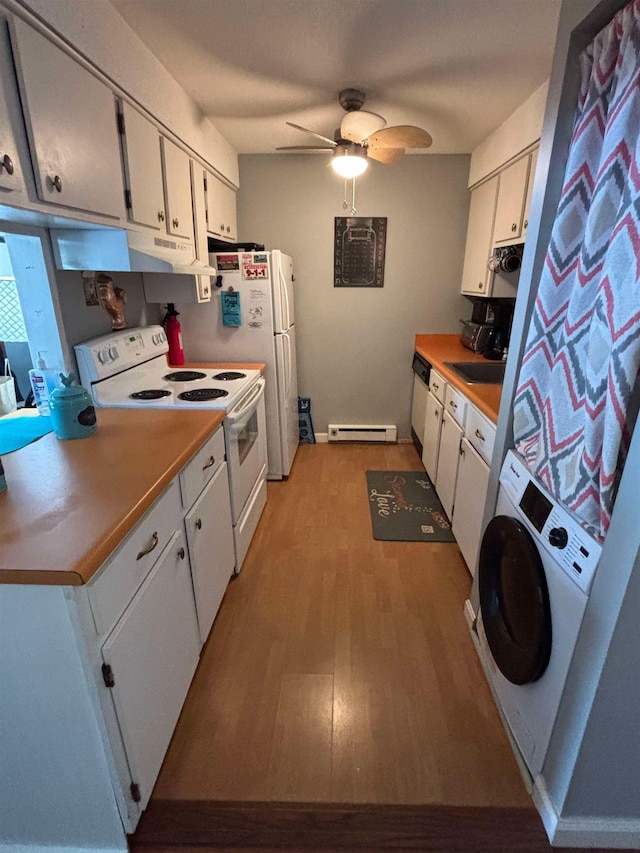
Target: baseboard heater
[362, 432]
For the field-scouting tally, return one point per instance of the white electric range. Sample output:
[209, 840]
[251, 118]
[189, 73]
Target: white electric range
[128, 369]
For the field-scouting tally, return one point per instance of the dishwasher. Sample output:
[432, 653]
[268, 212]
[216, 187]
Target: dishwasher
[421, 371]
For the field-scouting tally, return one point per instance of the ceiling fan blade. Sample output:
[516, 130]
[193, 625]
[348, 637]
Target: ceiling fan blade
[304, 148]
[313, 133]
[385, 155]
[400, 136]
[360, 124]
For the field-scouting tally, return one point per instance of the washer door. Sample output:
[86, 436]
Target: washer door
[514, 600]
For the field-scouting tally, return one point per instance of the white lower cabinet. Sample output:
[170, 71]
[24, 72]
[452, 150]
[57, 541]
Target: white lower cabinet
[210, 537]
[471, 493]
[431, 439]
[450, 437]
[149, 660]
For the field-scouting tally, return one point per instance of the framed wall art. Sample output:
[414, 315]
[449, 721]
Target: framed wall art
[359, 250]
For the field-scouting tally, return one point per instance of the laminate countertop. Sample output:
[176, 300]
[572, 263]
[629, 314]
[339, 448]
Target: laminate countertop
[69, 504]
[438, 349]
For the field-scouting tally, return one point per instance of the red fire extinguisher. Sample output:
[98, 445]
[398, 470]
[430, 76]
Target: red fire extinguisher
[174, 335]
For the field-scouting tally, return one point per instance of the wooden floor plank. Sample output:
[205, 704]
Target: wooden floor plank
[340, 669]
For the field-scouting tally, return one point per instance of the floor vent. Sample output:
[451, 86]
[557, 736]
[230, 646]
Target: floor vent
[362, 432]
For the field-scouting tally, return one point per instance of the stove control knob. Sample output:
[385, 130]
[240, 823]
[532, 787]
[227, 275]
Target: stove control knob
[558, 537]
[103, 356]
[113, 353]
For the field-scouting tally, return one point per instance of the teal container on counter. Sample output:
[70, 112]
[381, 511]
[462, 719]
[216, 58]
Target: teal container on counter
[72, 411]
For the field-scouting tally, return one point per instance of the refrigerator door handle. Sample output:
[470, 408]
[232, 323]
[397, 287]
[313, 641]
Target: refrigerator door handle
[287, 365]
[284, 299]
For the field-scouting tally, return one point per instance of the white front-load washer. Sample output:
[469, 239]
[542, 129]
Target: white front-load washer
[535, 571]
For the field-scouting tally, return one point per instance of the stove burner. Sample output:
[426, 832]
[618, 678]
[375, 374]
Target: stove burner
[150, 394]
[184, 376]
[228, 375]
[201, 395]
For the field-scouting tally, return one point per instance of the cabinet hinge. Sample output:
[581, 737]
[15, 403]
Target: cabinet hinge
[127, 199]
[205, 184]
[107, 675]
[135, 792]
[121, 124]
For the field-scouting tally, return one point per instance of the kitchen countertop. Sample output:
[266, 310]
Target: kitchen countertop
[69, 504]
[437, 349]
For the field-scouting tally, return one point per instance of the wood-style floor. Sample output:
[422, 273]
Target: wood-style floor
[339, 702]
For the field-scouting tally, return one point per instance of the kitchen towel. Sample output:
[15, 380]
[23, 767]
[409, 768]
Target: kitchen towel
[405, 508]
[231, 308]
[17, 432]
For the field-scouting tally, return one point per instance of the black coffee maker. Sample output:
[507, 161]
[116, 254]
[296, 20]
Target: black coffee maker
[496, 345]
[498, 315]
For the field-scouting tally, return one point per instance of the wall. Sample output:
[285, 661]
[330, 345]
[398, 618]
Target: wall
[355, 344]
[521, 129]
[82, 321]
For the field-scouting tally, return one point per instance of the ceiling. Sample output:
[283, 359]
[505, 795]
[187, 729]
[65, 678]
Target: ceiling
[456, 68]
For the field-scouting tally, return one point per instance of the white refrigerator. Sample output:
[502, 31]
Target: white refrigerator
[265, 284]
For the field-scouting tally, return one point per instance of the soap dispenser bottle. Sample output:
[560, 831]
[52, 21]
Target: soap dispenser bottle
[44, 380]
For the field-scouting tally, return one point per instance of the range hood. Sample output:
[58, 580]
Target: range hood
[117, 250]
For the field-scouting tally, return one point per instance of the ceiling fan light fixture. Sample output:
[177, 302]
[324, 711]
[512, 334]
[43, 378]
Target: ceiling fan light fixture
[349, 161]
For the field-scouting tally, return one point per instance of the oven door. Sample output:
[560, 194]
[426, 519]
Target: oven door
[246, 443]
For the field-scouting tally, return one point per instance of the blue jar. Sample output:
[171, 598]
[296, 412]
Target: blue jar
[72, 411]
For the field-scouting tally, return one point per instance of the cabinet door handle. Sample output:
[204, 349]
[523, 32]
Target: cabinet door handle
[56, 182]
[199, 523]
[479, 435]
[150, 547]
[480, 285]
[181, 553]
[435, 387]
[175, 223]
[228, 229]
[461, 450]
[514, 227]
[208, 464]
[7, 164]
[161, 216]
[222, 227]
[453, 405]
[526, 222]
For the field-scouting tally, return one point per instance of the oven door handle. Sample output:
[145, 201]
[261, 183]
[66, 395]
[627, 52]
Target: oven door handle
[236, 417]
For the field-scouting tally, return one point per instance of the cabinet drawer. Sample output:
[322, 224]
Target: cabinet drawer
[195, 476]
[437, 385]
[481, 433]
[456, 404]
[117, 581]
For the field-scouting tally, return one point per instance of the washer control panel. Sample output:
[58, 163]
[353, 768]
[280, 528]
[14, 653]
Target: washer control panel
[550, 524]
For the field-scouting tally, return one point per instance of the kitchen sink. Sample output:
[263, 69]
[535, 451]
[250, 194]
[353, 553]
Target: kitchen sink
[487, 373]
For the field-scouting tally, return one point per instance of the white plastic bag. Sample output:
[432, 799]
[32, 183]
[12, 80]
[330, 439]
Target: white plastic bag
[8, 401]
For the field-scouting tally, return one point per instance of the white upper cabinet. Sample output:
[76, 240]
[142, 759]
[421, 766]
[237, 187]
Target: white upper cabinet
[142, 168]
[221, 209]
[70, 117]
[11, 181]
[511, 199]
[475, 273]
[177, 189]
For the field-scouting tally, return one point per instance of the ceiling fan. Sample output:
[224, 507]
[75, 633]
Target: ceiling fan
[363, 135]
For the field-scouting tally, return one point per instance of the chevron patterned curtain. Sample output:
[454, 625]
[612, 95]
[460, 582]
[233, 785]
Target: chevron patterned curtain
[575, 403]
